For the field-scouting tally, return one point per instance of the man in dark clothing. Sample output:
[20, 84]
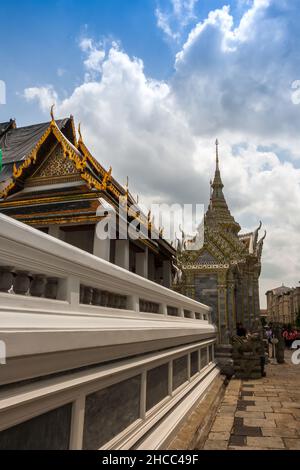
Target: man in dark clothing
[240, 330]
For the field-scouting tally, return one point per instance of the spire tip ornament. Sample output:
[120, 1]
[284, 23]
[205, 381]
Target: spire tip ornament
[217, 153]
[79, 132]
[52, 112]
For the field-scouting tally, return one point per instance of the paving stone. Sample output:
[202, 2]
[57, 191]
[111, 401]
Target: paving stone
[288, 424]
[238, 421]
[264, 408]
[266, 423]
[279, 432]
[230, 400]
[293, 444]
[287, 417]
[215, 445]
[265, 394]
[221, 425]
[275, 399]
[261, 399]
[246, 447]
[237, 440]
[246, 414]
[226, 409]
[247, 431]
[219, 436]
[242, 404]
[247, 394]
[266, 442]
[287, 404]
[273, 404]
[272, 418]
[286, 411]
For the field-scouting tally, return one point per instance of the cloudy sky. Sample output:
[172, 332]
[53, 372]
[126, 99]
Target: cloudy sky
[154, 82]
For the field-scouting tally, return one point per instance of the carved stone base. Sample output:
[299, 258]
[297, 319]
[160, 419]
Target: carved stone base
[223, 357]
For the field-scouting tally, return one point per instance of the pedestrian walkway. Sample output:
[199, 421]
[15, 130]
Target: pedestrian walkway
[260, 414]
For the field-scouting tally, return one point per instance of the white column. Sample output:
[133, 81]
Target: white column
[143, 395]
[142, 263]
[101, 247]
[77, 423]
[122, 253]
[167, 273]
[54, 231]
[151, 267]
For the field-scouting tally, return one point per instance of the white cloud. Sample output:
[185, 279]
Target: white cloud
[245, 70]
[95, 56]
[46, 95]
[230, 81]
[175, 17]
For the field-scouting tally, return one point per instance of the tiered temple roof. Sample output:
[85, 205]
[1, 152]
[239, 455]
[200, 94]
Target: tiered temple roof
[50, 177]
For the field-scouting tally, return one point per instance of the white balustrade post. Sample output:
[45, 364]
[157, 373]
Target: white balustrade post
[122, 253]
[101, 247]
[54, 231]
[134, 303]
[77, 423]
[69, 290]
[163, 309]
[142, 263]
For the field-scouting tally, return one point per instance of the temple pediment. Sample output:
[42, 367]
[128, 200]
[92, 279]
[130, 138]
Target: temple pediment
[55, 166]
[206, 257]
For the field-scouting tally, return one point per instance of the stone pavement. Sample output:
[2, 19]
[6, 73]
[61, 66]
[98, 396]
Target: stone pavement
[260, 414]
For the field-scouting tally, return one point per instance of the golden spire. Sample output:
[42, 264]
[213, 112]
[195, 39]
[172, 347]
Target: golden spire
[218, 210]
[217, 154]
[217, 184]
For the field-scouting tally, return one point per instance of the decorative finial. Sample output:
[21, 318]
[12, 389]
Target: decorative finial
[127, 185]
[217, 153]
[52, 112]
[137, 198]
[106, 178]
[79, 132]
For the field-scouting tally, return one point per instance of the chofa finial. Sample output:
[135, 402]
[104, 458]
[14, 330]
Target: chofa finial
[127, 185]
[79, 132]
[52, 112]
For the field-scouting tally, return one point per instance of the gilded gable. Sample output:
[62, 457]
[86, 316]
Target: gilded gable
[55, 167]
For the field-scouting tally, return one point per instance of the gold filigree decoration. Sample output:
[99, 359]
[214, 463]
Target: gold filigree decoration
[92, 182]
[107, 178]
